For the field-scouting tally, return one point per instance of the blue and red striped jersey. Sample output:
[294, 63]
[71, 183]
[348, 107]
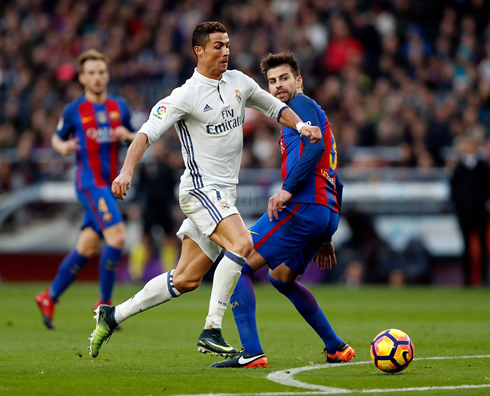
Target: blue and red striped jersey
[94, 124]
[309, 171]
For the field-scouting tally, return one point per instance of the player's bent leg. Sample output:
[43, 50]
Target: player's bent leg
[211, 340]
[157, 291]
[68, 271]
[193, 264]
[284, 280]
[232, 235]
[243, 305]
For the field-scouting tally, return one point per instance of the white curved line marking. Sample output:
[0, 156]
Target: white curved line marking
[285, 377]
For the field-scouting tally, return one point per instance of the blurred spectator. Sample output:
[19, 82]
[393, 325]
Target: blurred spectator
[343, 48]
[366, 256]
[367, 61]
[470, 192]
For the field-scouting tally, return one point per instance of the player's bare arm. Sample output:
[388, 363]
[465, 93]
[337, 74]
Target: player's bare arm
[122, 183]
[65, 147]
[123, 134]
[290, 119]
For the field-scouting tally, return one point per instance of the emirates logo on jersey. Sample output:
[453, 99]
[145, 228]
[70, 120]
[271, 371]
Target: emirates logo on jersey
[101, 135]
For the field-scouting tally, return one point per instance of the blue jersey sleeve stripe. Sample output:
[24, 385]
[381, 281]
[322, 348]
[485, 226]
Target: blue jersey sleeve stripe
[305, 109]
[280, 112]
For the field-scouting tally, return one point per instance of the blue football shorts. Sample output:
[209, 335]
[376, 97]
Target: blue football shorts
[295, 238]
[101, 209]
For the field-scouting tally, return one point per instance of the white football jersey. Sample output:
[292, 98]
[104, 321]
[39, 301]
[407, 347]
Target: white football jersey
[208, 116]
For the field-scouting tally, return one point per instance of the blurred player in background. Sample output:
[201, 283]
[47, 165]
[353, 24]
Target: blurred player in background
[470, 192]
[208, 113]
[156, 191]
[299, 225]
[93, 127]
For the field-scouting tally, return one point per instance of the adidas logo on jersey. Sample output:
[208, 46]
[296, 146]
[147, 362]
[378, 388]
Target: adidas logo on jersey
[207, 108]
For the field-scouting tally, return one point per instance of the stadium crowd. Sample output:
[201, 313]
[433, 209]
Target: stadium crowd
[410, 75]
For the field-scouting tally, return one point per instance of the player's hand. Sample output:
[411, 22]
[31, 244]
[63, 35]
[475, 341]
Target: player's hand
[276, 203]
[121, 185]
[325, 257]
[312, 132]
[69, 146]
[122, 133]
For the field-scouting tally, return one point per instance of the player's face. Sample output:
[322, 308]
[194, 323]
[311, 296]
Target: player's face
[95, 76]
[282, 83]
[216, 55]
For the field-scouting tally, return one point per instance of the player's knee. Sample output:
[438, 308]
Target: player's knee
[86, 251]
[244, 247]
[185, 284]
[282, 287]
[117, 240]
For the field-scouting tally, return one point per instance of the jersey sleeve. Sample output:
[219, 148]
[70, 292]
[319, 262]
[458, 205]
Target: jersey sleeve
[65, 125]
[166, 113]
[261, 100]
[126, 118]
[312, 153]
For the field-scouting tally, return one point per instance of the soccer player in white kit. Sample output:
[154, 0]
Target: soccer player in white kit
[208, 113]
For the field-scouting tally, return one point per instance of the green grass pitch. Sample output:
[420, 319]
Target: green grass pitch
[156, 354]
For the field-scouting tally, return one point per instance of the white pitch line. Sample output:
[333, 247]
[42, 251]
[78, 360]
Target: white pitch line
[284, 377]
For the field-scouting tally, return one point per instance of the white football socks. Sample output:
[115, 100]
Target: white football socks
[225, 279]
[157, 291]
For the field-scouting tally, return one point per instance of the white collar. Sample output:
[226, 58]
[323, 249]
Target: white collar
[207, 80]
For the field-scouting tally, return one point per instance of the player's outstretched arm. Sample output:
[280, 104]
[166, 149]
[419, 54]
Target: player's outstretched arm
[290, 119]
[122, 183]
[122, 133]
[65, 147]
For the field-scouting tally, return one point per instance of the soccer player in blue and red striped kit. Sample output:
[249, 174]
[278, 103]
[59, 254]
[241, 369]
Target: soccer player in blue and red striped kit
[93, 127]
[299, 225]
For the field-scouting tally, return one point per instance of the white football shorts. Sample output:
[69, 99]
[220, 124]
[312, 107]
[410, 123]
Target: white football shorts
[205, 208]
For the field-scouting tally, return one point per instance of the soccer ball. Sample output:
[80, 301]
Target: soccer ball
[392, 351]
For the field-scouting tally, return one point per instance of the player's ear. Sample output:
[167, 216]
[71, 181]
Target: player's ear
[81, 78]
[299, 82]
[198, 50]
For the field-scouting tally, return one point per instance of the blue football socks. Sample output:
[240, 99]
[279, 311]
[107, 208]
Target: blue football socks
[243, 305]
[109, 260]
[306, 304]
[68, 271]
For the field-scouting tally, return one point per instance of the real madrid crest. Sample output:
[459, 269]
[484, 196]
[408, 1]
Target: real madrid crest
[238, 95]
[102, 117]
[225, 205]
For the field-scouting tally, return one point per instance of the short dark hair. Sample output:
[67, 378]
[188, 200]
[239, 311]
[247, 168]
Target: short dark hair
[200, 35]
[275, 60]
[91, 54]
